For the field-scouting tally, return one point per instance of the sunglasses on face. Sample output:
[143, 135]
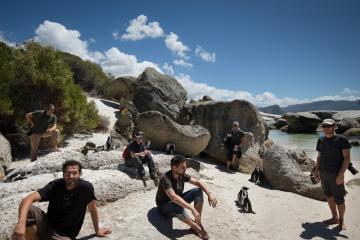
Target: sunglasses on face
[327, 126]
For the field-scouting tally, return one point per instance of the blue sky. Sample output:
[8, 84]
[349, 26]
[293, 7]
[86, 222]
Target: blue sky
[267, 52]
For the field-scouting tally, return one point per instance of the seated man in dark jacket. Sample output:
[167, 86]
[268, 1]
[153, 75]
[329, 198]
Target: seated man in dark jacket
[139, 156]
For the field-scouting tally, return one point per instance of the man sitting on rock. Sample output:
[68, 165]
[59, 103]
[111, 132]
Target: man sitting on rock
[68, 198]
[232, 143]
[332, 161]
[43, 124]
[139, 156]
[171, 201]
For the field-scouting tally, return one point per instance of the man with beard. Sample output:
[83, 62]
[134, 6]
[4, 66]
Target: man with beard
[68, 198]
[171, 201]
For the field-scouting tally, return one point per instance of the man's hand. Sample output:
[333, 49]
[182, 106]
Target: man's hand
[49, 130]
[19, 232]
[147, 153]
[340, 179]
[212, 200]
[196, 215]
[102, 232]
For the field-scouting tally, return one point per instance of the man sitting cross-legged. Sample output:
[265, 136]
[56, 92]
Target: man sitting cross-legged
[171, 201]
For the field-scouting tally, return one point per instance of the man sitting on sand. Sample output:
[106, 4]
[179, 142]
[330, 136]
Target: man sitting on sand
[332, 161]
[68, 198]
[171, 201]
[43, 124]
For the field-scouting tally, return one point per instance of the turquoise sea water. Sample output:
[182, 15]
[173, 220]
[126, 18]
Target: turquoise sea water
[306, 142]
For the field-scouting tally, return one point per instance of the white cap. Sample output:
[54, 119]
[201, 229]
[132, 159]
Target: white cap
[328, 122]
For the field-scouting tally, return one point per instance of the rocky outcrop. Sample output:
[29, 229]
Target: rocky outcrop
[354, 114]
[282, 172]
[121, 89]
[302, 122]
[305, 163]
[218, 117]
[158, 92]
[280, 123]
[323, 114]
[5, 153]
[345, 124]
[189, 140]
[352, 132]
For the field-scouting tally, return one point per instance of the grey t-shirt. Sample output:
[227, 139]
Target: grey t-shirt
[331, 156]
[168, 181]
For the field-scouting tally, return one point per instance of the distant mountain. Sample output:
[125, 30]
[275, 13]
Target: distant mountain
[273, 109]
[341, 105]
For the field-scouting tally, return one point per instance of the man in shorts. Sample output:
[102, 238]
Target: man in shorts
[232, 143]
[68, 199]
[171, 201]
[332, 161]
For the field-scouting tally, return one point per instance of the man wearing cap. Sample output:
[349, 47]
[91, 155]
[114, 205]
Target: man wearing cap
[232, 143]
[332, 161]
[140, 156]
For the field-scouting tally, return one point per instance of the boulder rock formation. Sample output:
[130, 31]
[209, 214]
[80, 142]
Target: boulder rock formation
[302, 122]
[282, 172]
[158, 92]
[189, 140]
[121, 89]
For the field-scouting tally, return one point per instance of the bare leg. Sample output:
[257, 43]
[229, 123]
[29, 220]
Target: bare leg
[228, 166]
[332, 206]
[34, 140]
[341, 209]
[30, 233]
[195, 227]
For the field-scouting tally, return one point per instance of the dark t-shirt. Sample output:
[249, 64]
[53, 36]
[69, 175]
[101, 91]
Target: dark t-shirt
[135, 147]
[168, 181]
[42, 121]
[67, 208]
[236, 136]
[331, 156]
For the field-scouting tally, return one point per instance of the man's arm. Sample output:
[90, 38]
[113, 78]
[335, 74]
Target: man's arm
[181, 202]
[20, 228]
[212, 200]
[51, 128]
[100, 232]
[30, 119]
[344, 166]
[316, 173]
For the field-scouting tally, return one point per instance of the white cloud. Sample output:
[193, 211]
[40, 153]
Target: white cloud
[139, 29]
[115, 35]
[7, 42]
[92, 40]
[350, 92]
[173, 43]
[122, 64]
[168, 69]
[204, 55]
[198, 90]
[182, 63]
[58, 36]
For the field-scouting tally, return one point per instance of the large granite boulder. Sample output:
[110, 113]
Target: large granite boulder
[345, 124]
[302, 122]
[352, 132]
[155, 91]
[120, 89]
[324, 114]
[5, 152]
[218, 117]
[189, 140]
[354, 114]
[280, 123]
[282, 172]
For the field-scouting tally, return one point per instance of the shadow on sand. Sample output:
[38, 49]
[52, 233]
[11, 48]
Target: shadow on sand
[319, 229]
[87, 237]
[165, 225]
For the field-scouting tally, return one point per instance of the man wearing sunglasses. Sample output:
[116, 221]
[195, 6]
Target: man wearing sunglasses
[332, 161]
[42, 124]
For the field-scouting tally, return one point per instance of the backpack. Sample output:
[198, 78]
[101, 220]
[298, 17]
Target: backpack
[126, 153]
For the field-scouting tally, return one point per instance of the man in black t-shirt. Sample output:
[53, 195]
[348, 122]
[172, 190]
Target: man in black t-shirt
[68, 199]
[171, 201]
[139, 156]
[332, 161]
[232, 143]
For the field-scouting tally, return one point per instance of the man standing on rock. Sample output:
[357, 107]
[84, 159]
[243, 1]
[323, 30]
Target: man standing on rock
[140, 155]
[332, 161]
[171, 201]
[68, 198]
[232, 143]
[43, 124]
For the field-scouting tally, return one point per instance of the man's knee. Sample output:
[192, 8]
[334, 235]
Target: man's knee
[199, 197]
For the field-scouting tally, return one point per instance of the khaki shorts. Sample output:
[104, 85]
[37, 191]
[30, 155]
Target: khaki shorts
[38, 218]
